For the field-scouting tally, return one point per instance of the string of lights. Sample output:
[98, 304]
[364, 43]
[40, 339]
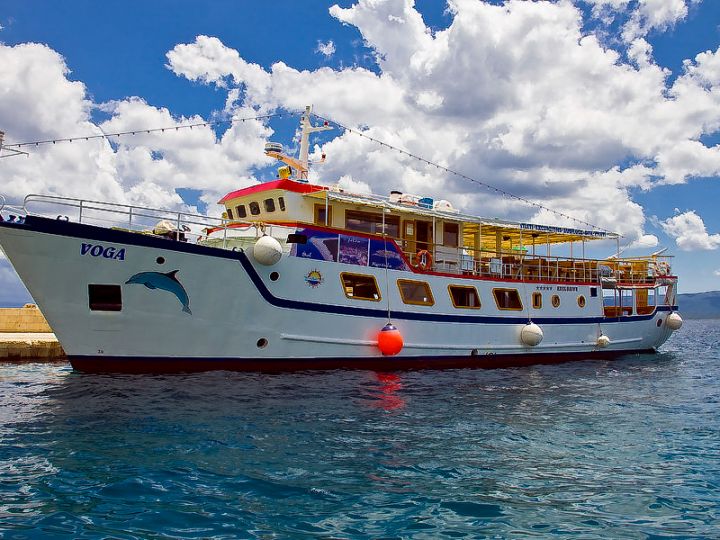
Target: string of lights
[109, 136]
[461, 175]
[14, 149]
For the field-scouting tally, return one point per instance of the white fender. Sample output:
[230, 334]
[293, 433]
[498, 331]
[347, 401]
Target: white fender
[267, 250]
[674, 321]
[602, 341]
[531, 334]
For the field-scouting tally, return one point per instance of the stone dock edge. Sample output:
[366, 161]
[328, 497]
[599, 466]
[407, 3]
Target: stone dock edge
[26, 336]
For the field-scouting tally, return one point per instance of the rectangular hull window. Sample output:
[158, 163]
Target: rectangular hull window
[105, 297]
[415, 292]
[464, 297]
[508, 299]
[360, 287]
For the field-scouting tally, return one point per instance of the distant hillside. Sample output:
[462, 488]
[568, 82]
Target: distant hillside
[704, 305]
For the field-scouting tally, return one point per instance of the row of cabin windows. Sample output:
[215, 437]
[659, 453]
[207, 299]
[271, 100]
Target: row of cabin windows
[371, 223]
[254, 207]
[364, 287]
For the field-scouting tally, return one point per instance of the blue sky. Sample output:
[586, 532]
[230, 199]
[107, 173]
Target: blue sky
[488, 98]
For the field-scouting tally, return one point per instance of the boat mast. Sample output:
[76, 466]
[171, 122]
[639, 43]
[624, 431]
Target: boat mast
[301, 163]
[307, 129]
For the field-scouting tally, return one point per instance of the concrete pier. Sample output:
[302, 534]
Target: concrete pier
[26, 335]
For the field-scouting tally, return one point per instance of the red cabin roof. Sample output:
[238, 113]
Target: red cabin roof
[284, 183]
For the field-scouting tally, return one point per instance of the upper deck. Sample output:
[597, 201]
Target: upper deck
[434, 237]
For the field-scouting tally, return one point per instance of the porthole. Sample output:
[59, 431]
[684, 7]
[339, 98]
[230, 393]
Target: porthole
[274, 276]
[659, 323]
[581, 301]
[262, 343]
[555, 300]
[160, 260]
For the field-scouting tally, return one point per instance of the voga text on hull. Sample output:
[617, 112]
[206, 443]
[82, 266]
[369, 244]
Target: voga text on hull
[299, 276]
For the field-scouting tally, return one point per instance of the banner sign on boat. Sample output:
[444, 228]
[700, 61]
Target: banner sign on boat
[348, 249]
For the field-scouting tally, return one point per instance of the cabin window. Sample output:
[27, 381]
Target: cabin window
[593, 292]
[555, 300]
[360, 287]
[323, 215]
[281, 203]
[415, 292]
[269, 205]
[450, 234]
[464, 296]
[229, 213]
[105, 297]
[254, 208]
[537, 300]
[581, 301]
[241, 211]
[372, 223]
[508, 299]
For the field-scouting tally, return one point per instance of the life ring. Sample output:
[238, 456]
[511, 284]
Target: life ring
[424, 260]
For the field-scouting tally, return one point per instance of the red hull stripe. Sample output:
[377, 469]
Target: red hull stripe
[396, 363]
[287, 185]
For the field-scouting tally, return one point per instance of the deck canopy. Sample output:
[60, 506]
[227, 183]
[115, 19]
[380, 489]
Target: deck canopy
[492, 232]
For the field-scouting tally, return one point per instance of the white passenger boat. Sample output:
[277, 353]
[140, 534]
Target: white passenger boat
[300, 276]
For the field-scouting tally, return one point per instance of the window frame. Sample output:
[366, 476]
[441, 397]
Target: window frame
[250, 207]
[471, 287]
[113, 307]
[353, 297]
[539, 304]
[456, 233]
[375, 221]
[316, 215]
[581, 301]
[269, 205]
[243, 214]
[555, 300]
[509, 290]
[428, 289]
[281, 203]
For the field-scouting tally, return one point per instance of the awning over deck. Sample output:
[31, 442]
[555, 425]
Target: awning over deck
[489, 233]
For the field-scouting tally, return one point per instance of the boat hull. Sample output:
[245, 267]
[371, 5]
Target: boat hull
[158, 365]
[188, 307]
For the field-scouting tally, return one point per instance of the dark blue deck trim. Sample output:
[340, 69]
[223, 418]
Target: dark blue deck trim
[60, 227]
[91, 232]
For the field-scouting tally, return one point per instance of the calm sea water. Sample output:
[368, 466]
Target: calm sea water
[624, 449]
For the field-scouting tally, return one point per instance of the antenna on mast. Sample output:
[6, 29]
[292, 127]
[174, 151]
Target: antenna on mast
[301, 163]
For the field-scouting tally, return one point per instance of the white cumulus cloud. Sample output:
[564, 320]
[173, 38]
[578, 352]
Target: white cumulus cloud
[327, 49]
[689, 232]
[518, 94]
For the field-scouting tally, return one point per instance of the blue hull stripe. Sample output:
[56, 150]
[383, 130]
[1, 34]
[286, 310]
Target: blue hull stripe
[76, 230]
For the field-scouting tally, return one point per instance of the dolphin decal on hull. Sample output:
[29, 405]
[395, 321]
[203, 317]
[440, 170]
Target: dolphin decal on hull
[165, 282]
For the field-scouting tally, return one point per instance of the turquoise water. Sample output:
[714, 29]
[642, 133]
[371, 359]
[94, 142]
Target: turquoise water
[624, 449]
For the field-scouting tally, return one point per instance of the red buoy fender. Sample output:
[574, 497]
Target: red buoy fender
[389, 340]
